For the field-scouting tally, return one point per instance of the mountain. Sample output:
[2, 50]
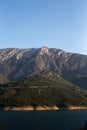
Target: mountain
[81, 81]
[16, 64]
[42, 89]
[3, 79]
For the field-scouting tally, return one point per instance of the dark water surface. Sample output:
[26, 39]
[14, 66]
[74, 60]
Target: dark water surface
[42, 120]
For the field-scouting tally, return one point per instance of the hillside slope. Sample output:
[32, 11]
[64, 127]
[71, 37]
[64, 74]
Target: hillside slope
[43, 89]
[81, 81]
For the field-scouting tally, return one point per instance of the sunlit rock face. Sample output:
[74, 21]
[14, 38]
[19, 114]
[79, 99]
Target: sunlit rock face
[17, 63]
[44, 50]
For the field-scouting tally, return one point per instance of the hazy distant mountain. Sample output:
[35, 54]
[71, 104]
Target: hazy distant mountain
[17, 63]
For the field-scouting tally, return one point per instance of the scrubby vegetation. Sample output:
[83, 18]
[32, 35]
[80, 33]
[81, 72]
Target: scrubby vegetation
[42, 89]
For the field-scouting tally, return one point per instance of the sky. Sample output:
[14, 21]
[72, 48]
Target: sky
[35, 23]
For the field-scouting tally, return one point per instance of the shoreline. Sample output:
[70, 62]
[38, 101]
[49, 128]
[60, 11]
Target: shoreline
[77, 107]
[42, 108]
[29, 108]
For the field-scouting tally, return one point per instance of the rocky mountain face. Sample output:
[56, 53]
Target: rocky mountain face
[17, 63]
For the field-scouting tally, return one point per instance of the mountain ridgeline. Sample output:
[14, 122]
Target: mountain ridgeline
[17, 64]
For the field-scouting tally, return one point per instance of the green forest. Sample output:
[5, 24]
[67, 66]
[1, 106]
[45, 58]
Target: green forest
[42, 89]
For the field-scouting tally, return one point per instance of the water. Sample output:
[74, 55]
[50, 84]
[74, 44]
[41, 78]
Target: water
[42, 120]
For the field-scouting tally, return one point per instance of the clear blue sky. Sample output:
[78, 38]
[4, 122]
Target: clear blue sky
[36, 23]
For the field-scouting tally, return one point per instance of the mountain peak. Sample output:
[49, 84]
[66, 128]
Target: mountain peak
[44, 50]
[44, 47]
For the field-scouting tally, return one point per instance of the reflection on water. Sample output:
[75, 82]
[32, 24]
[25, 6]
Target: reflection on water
[4, 125]
[84, 127]
[42, 120]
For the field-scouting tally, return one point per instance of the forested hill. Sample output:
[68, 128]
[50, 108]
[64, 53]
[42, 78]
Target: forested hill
[42, 89]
